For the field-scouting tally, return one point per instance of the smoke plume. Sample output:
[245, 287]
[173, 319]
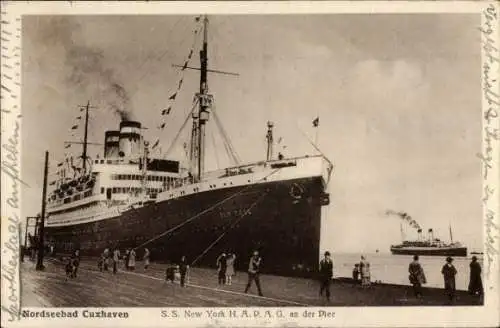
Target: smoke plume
[405, 217]
[85, 67]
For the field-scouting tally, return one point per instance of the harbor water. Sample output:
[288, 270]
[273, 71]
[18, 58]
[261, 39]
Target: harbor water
[393, 269]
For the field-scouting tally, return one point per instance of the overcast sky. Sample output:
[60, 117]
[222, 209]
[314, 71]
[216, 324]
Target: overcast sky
[398, 98]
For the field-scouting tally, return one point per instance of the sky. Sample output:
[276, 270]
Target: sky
[398, 97]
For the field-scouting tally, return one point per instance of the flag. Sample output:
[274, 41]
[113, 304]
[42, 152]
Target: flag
[74, 127]
[52, 183]
[59, 164]
[166, 111]
[67, 146]
[78, 117]
[190, 54]
[162, 126]
[180, 84]
[279, 140]
[316, 122]
[197, 18]
[156, 143]
[82, 109]
[172, 97]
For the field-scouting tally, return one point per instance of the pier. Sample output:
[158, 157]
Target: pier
[148, 288]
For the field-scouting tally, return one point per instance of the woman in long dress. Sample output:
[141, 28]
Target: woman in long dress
[131, 260]
[146, 258]
[230, 268]
[364, 267]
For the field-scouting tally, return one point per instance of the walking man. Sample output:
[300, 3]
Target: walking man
[326, 275]
[183, 269]
[131, 260]
[417, 276]
[116, 259]
[76, 262]
[222, 267]
[146, 258]
[253, 272]
[449, 272]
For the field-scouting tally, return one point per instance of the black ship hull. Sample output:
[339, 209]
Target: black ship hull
[270, 217]
[431, 251]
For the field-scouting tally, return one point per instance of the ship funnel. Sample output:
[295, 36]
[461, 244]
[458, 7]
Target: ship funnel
[130, 139]
[431, 235]
[111, 143]
[419, 231]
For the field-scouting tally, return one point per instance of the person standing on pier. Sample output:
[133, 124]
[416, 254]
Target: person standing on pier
[475, 281]
[127, 259]
[116, 259]
[76, 262]
[253, 272]
[221, 268]
[364, 267]
[417, 276]
[131, 260]
[326, 275]
[105, 255]
[449, 272]
[183, 270]
[146, 258]
[230, 268]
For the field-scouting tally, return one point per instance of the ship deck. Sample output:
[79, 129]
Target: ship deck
[92, 288]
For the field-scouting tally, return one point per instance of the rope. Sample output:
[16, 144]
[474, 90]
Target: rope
[232, 152]
[182, 128]
[231, 227]
[203, 212]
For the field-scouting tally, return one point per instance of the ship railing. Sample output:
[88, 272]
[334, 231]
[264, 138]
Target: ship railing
[255, 167]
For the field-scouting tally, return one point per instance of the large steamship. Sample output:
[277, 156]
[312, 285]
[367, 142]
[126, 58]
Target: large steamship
[129, 199]
[429, 246]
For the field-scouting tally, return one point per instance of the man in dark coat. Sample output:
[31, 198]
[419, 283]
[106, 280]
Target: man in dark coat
[326, 275]
[221, 267]
[253, 272]
[475, 282]
[183, 269]
[449, 272]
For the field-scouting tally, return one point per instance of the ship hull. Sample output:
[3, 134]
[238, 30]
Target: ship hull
[283, 224]
[448, 251]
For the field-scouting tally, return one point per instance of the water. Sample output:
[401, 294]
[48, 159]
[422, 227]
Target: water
[390, 268]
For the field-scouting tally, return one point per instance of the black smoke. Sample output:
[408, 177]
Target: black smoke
[405, 217]
[85, 67]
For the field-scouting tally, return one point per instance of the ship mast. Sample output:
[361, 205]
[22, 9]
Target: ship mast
[84, 152]
[451, 235]
[204, 101]
[269, 138]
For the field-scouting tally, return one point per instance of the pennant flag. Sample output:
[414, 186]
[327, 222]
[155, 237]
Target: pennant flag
[172, 97]
[279, 140]
[185, 145]
[74, 127]
[52, 183]
[59, 164]
[156, 144]
[78, 117]
[197, 18]
[190, 54]
[166, 111]
[316, 122]
[180, 84]
[162, 126]
[82, 109]
[185, 65]
[67, 146]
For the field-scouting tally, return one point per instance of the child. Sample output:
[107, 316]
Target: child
[355, 273]
[170, 274]
[69, 269]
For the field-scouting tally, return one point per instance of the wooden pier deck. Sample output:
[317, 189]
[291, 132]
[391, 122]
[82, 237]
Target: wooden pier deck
[92, 288]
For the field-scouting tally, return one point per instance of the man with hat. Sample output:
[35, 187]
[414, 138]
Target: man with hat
[326, 275]
[449, 272]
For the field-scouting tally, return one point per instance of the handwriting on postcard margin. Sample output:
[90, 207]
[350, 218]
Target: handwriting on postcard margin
[10, 168]
[491, 132]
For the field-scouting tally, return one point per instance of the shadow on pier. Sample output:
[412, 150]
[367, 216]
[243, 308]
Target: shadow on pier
[92, 288]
